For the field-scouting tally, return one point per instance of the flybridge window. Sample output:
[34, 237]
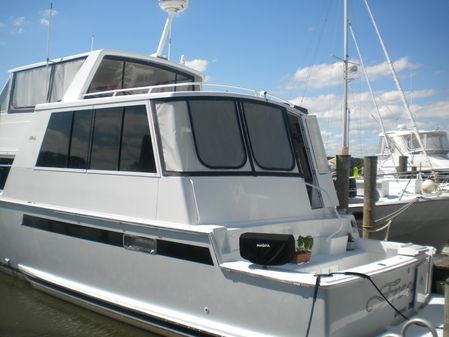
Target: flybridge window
[207, 134]
[116, 73]
[43, 84]
[115, 139]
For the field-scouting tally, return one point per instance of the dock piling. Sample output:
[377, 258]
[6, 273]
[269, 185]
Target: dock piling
[369, 194]
[342, 182]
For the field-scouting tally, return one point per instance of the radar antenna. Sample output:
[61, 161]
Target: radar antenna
[172, 7]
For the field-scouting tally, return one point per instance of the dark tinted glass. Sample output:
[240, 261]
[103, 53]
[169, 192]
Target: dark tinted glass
[109, 76]
[217, 133]
[137, 151]
[268, 136]
[5, 166]
[79, 146]
[106, 139]
[55, 147]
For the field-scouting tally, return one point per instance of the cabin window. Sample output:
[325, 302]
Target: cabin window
[268, 136]
[217, 135]
[117, 73]
[4, 95]
[5, 167]
[119, 140]
[106, 139]
[136, 151]
[80, 139]
[55, 147]
[43, 84]
[212, 135]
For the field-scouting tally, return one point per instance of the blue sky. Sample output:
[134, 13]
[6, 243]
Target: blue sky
[286, 47]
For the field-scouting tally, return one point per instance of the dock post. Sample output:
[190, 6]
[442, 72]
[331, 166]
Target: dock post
[402, 168]
[446, 308]
[342, 182]
[369, 194]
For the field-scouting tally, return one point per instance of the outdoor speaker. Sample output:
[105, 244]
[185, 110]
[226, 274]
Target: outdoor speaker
[267, 249]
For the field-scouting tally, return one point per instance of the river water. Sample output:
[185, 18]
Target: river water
[27, 312]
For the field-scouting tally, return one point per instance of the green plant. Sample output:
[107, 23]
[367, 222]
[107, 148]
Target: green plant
[304, 243]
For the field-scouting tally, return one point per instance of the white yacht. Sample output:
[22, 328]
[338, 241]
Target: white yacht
[403, 142]
[128, 187]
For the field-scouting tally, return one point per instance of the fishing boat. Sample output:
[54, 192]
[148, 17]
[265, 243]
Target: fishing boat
[131, 187]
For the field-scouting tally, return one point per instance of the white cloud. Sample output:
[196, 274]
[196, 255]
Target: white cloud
[327, 75]
[382, 69]
[45, 15]
[17, 24]
[364, 129]
[198, 64]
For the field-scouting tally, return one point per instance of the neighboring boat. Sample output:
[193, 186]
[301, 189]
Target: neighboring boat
[402, 142]
[408, 206]
[129, 188]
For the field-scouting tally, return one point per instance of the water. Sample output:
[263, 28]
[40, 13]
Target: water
[27, 312]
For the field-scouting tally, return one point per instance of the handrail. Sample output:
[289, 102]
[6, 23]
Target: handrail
[151, 89]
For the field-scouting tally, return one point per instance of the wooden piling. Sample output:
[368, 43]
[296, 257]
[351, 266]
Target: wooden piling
[342, 182]
[369, 194]
[402, 168]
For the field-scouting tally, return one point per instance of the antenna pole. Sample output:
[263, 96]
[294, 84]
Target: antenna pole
[165, 33]
[345, 148]
[398, 85]
[50, 14]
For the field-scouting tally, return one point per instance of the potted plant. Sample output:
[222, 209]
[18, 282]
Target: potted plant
[303, 251]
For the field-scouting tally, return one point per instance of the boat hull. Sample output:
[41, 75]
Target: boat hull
[424, 222]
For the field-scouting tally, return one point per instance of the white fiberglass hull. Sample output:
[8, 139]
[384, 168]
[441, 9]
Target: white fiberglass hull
[193, 298]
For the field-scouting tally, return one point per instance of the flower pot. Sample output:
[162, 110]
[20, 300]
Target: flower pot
[301, 257]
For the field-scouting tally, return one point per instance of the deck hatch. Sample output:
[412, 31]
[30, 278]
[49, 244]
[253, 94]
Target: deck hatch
[142, 244]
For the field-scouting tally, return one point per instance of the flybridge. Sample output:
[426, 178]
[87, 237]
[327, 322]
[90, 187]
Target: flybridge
[85, 75]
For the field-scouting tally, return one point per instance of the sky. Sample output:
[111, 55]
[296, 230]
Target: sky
[291, 48]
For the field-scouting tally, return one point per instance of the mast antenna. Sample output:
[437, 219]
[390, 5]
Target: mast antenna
[50, 15]
[172, 7]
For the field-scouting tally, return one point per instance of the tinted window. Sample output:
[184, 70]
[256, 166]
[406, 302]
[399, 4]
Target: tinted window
[5, 166]
[79, 145]
[217, 133]
[136, 151]
[55, 147]
[268, 136]
[114, 74]
[106, 139]
[109, 76]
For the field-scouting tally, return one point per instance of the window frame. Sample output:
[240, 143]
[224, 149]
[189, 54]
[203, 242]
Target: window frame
[5, 166]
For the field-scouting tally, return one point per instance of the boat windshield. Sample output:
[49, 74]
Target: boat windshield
[116, 73]
[437, 143]
[205, 134]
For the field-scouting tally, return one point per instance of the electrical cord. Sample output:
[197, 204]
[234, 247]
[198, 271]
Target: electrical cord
[348, 273]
